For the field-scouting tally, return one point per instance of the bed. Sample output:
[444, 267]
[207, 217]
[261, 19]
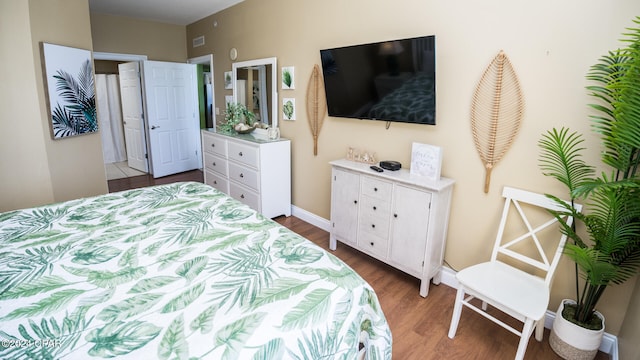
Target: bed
[176, 271]
[414, 101]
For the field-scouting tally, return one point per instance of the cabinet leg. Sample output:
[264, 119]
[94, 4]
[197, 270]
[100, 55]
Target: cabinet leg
[333, 243]
[437, 278]
[424, 287]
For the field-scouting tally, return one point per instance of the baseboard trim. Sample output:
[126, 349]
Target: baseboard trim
[311, 218]
[609, 343]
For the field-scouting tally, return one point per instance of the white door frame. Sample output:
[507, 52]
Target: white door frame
[208, 59]
[97, 55]
[118, 57]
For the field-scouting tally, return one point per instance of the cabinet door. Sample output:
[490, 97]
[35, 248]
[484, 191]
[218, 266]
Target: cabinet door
[410, 222]
[345, 189]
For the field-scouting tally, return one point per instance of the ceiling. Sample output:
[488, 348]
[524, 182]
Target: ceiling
[182, 12]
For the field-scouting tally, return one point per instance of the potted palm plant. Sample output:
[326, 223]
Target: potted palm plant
[607, 250]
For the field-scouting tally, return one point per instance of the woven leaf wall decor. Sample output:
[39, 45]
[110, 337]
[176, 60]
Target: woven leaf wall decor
[316, 105]
[496, 113]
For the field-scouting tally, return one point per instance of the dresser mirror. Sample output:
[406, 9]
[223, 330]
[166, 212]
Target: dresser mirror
[255, 86]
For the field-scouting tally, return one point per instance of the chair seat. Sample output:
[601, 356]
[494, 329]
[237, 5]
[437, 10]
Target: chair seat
[507, 286]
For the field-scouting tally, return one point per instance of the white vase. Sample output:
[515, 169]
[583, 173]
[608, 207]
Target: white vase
[574, 342]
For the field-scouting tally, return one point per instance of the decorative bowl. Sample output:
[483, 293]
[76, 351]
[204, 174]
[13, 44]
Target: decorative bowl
[244, 130]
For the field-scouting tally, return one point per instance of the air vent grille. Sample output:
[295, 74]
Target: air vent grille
[199, 41]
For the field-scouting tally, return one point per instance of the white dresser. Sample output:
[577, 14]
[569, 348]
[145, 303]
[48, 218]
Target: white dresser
[249, 168]
[395, 217]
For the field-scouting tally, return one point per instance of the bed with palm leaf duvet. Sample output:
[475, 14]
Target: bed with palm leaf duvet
[177, 271]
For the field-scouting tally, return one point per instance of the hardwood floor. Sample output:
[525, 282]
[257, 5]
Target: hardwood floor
[419, 325]
[148, 180]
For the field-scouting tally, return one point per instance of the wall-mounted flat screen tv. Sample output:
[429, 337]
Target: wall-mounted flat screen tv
[389, 80]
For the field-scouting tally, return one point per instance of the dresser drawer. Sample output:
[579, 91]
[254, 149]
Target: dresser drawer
[374, 207]
[245, 195]
[374, 244]
[216, 181]
[376, 188]
[376, 225]
[214, 145]
[245, 154]
[216, 164]
[244, 175]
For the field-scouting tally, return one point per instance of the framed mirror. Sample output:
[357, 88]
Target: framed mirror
[255, 86]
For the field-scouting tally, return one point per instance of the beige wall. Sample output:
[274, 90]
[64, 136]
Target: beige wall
[550, 43]
[630, 331]
[36, 169]
[24, 169]
[119, 34]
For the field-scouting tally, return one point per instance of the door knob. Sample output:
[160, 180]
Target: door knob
[154, 127]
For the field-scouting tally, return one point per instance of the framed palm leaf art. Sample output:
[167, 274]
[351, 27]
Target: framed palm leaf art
[70, 90]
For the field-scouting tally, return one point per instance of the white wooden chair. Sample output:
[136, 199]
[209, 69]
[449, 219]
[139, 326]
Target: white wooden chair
[517, 279]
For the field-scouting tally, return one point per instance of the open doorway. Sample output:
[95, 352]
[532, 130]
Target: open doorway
[110, 120]
[115, 168]
[206, 90]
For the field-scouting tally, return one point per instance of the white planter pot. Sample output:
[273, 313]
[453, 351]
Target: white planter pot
[574, 342]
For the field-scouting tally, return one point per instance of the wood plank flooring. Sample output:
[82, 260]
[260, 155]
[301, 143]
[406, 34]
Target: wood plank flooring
[419, 326]
[148, 180]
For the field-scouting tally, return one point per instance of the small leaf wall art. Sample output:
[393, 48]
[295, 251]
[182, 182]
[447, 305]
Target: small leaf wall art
[288, 77]
[316, 105]
[289, 108]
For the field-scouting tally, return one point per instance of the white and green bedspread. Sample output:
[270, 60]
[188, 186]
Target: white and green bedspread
[177, 271]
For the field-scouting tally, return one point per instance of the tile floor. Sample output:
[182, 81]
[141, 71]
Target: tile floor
[120, 170]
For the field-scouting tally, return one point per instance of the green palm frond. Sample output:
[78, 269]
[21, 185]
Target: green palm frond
[561, 158]
[78, 114]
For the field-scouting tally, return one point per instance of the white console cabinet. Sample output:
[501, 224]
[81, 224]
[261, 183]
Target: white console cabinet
[395, 217]
[249, 168]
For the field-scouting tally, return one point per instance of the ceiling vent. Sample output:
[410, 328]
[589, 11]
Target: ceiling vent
[199, 41]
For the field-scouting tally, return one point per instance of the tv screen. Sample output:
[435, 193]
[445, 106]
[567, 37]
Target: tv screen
[388, 81]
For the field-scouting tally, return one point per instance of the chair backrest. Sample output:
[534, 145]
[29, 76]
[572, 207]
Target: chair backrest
[516, 198]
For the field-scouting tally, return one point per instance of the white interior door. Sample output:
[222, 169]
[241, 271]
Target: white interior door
[132, 116]
[171, 103]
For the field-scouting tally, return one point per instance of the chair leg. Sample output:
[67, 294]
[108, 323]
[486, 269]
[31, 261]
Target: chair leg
[524, 338]
[457, 310]
[540, 329]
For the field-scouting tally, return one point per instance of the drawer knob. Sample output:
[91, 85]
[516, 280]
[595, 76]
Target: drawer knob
[371, 243]
[355, 201]
[241, 175]
[395, 215]
[215, 182]
[374, 208]
[213, 145]
[373, 226]
[240, 153]
[242, 196]
[214, 163]
[375, 189]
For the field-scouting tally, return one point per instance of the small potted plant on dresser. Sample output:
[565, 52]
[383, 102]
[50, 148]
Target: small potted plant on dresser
[609, 253]
[238, 118]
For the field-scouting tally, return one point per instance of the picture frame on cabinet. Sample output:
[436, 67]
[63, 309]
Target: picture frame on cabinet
[288, 78]
[70, 90]
[426, 161]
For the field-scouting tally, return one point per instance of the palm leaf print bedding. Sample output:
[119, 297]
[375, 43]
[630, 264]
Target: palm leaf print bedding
[178, 271]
